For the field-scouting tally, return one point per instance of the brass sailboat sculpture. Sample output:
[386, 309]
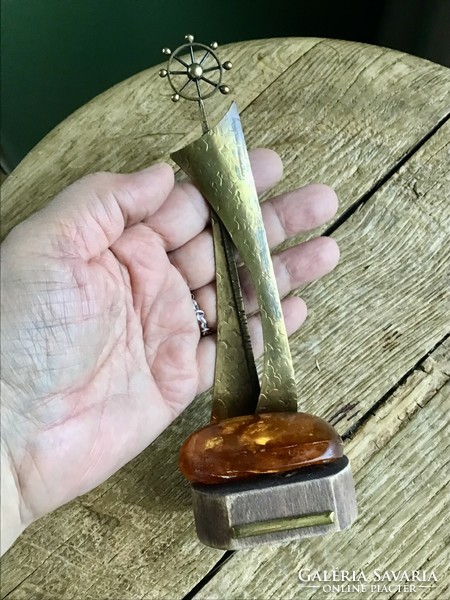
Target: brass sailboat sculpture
[261, 472]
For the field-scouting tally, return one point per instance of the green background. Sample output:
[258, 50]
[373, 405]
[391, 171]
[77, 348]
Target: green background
[58, 54]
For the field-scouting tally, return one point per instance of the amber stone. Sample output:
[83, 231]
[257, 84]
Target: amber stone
[244, 447]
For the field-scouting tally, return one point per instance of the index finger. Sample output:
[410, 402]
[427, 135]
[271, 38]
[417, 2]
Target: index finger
[185, 213]
[87, 217]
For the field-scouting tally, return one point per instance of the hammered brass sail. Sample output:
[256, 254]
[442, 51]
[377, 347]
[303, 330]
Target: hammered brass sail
[218, 163]
[236, 385]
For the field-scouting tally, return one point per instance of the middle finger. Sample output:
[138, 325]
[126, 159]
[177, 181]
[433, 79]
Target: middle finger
[284, 216]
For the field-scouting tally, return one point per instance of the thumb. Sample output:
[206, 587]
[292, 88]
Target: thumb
[91, 214]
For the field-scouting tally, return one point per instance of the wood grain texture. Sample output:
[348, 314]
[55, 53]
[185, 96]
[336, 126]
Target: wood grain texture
[401, 481]
[347, 114]
[388, 301]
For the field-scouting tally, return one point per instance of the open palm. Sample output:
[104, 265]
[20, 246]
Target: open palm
[101, 348]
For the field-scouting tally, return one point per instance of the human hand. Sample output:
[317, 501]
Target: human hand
[100, 344]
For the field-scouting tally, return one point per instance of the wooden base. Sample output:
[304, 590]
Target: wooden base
[276, 508]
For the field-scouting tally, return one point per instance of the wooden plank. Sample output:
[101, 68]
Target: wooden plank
[388, 301]
[400, 461]
[131, 535]
[364, 118]
[401, 406]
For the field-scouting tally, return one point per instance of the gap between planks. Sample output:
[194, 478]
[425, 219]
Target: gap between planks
[385, 178]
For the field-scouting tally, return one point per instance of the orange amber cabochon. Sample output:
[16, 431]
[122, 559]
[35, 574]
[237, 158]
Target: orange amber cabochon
[244, 447]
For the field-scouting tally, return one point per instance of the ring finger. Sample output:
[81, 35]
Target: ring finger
[294, 267]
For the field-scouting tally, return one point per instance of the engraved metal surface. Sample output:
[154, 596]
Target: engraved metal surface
[273, 509]
[236, 384]
[219, 165]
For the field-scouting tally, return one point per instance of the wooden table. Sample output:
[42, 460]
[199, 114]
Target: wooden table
[373, 357]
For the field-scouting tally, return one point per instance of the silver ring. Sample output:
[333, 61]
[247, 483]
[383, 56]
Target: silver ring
[199, 313]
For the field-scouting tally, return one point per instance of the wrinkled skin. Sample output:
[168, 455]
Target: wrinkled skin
[100, 345]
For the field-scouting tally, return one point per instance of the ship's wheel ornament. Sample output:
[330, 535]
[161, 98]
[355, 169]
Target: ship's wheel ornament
[198, 77]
